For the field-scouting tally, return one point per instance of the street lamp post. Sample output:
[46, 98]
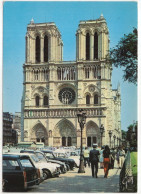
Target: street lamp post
[114, 140]
[101, 131]
[117, 141]
[82, 120]
[110, 135]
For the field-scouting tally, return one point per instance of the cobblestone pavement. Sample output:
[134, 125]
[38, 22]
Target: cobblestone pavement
[74, 182]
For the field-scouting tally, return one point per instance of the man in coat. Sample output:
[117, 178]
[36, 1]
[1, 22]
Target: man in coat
[94, 159]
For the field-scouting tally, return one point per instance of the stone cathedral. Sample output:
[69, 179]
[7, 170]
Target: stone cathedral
[54, 90]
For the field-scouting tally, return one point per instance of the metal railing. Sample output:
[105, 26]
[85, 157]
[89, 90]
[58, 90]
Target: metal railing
[126, 176]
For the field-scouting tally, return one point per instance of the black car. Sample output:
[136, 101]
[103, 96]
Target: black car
[49, 154]
[19, 172]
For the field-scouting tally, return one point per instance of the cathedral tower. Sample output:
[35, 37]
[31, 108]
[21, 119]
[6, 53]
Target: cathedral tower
[54, 90]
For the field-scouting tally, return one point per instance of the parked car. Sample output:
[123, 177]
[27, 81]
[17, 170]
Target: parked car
[70, 155]
[70, 162]
[41, 155]
[49, 169]
[19, 172]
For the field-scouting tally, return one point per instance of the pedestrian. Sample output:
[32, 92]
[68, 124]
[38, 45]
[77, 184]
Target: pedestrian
[106, 155]
[94, 159]
[113, 153]
[121, 157]
[101, 157]
[117, 156]
[86, 157]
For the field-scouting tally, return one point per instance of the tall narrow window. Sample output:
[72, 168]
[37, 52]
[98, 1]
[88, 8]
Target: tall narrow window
[87, 46]
[37, 99]
[45, 48]
[45, 100]
[37, 49]
[87, 99]
[95, 45]
[95, 99]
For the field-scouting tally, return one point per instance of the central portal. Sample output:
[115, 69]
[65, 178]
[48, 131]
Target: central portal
[64, 134]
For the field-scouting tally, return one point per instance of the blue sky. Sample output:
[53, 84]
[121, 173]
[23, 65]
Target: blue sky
[121, 17]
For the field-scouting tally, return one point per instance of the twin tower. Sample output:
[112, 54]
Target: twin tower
[54, 90]
[44, 43]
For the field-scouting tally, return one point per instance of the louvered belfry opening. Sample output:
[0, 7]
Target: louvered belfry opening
[37, 49]
[87, 46]
[95, 45]
[46, 48]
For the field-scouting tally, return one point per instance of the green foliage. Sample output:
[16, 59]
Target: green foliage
[134, 169]
[132, 135]
[125, 55]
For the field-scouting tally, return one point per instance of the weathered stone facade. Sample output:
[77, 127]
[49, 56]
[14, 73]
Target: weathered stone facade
[54, 90]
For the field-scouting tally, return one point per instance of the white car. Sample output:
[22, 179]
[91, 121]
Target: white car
[49, 169]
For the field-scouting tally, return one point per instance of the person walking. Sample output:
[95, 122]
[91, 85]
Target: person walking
[86, 157]
[101, 157]
[112, 158]
[121, 156]
[94, 159]
[117, 156]
[106, 155]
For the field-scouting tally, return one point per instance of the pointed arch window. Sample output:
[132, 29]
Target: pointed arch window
[37, 100]
[37, 49]
[96, 99]
[95, 45]
[45, 100]
[87, 46]
[46, 48]
[88, 99]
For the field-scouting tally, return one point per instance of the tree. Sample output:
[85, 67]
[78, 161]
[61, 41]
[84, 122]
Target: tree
[132, 135]
[125, 55]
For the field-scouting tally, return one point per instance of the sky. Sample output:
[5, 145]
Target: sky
[121, 18]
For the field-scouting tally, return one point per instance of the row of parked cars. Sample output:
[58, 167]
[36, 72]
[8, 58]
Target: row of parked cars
[28, 167]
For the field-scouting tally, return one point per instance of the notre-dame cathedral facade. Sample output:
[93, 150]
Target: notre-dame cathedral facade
[54, 90]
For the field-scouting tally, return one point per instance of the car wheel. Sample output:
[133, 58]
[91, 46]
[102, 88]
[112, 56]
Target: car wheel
[45, 174]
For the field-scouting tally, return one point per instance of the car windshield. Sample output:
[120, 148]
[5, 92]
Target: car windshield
[34, 158]
[26, 163]
[41, 157]
[61, 155]
[49, 155]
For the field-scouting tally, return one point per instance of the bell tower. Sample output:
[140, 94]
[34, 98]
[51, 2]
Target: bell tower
[92, 40]
[43, 43]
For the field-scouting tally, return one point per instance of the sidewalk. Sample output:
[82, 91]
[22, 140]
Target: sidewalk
[73, 181]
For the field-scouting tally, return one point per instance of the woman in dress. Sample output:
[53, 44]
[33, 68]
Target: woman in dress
[106, 156]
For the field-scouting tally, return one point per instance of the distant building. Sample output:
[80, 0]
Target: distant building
[17, 125]
[54, 90]
[9, 134]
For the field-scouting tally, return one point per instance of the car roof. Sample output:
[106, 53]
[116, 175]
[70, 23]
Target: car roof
[47, 151]
[14, 156]
[27, 151]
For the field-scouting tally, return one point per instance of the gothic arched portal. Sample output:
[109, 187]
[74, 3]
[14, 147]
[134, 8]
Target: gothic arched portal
[64, 134]
[39, 134]
[92, 133]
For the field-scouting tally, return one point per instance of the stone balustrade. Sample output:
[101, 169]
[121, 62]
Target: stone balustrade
[62, 113]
